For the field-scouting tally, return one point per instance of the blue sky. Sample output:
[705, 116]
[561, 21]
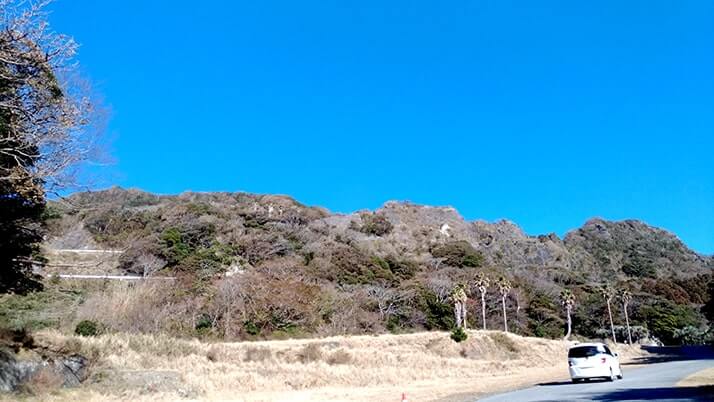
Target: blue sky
[546, 114]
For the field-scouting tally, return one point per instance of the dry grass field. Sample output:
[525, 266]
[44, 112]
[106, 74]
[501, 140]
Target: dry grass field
[425, 366]
[699, 379]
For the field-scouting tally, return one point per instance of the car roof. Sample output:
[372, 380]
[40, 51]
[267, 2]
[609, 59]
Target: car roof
[587, 344]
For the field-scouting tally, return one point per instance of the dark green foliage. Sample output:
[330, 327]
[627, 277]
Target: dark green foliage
[251, 328]
[51, 213]
[375, 224]
[459, 335]
[112, 227]
[459, 254]
[663, 318]
[353, 266]
[639, 268]
[37, 310]
[691, 335]
[20, 234]
[87, 328]
[204, 324]
[193, 249]
[439, 315]
[175, 248]
[544, 317]
[708, 308]
[590, 314]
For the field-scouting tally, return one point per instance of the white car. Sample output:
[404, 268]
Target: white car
[593, 360]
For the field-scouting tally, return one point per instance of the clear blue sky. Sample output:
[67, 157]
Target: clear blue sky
[546, 114]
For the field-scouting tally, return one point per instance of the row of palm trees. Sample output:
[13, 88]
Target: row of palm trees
[567, 299]
[482, 283]
[608, 293]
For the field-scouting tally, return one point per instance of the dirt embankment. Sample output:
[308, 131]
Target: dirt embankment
[425, 366]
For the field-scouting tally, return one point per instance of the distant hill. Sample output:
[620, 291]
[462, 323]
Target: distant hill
[410, 253]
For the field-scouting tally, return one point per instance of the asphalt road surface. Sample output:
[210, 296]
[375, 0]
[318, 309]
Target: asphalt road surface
[654, 382]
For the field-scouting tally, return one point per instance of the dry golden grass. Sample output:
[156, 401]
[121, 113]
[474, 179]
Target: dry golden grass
[427, 366]
[698, 379]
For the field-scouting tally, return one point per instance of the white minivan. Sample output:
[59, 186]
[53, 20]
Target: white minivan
[593, 360]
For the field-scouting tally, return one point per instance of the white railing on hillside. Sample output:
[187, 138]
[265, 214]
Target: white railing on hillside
[116, 277]
[81, 251]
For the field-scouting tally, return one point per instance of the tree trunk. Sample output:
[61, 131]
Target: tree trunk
[457, 314]
[612, 326]
[505, 321]
[483, 309]
[627, 322]
[227, 325]
[570, 323]
[463, 315]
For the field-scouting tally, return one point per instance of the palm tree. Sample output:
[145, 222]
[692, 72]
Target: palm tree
[482, 282]
[459, 297]
[607, 292]
[626, 297]
[504, 287]
[567, 299]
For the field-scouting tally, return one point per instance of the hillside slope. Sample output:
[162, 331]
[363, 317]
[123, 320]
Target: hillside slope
[261, 265]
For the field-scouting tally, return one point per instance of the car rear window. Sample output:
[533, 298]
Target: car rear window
[583, 351]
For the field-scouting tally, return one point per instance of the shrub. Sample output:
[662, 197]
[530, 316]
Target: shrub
[251, 328]
[340, 356]
[203, 324]
[87, 328]
[639, 269]
[459, 254]
[375, 224]
[664, 318]
[691, 335]
[439, 315]
[310, 353]
[504, 342]
[354, 267]
[459, 335]
[257, 354]
[544, 317]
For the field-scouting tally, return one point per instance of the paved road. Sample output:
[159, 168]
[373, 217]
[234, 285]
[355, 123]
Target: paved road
[655, 382]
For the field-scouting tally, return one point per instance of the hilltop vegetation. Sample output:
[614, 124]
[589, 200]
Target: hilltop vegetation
[259, 266]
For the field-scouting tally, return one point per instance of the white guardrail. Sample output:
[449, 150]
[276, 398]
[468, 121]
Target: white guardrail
[116, 277]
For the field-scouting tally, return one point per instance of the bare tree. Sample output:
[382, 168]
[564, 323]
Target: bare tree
[482, 282]
[44, 132]
[149, 264]
[441, 287]
[46, 109]
[389, 300]
[504, 287]
[625, 298]
[567, 300]
[607, 293]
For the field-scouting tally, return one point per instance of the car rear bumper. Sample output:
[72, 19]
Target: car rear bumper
[577, 373]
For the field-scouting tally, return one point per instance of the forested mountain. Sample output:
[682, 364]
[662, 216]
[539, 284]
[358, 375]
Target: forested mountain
[262, 265]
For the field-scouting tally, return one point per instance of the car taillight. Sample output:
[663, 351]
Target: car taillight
[603, 360]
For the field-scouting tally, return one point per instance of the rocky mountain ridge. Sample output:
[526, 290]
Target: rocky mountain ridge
[598, 246]
[264, 265]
